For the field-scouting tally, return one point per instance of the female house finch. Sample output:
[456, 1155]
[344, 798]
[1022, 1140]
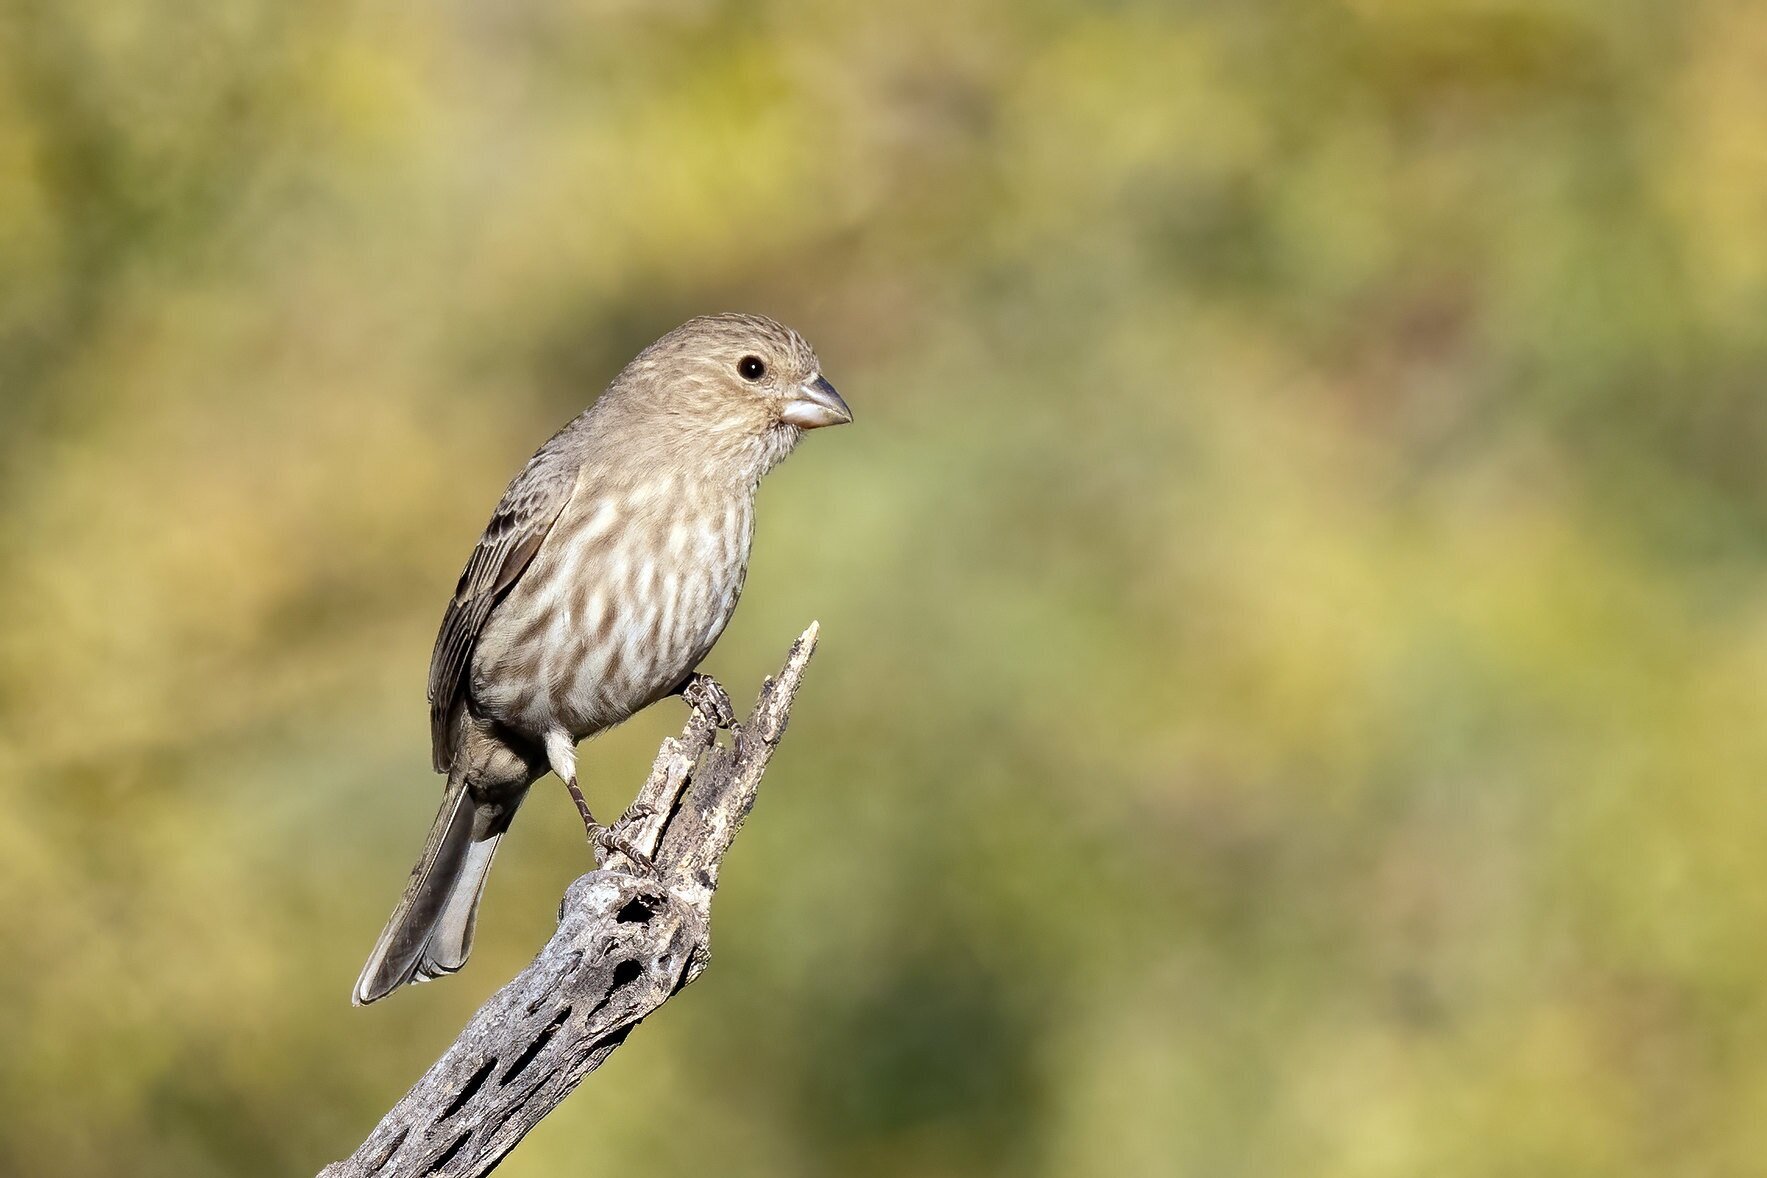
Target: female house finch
[605, 575]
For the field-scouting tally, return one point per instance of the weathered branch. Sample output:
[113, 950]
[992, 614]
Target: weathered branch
[626, 942]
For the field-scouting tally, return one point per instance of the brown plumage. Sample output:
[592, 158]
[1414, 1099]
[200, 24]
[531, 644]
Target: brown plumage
[607, 572]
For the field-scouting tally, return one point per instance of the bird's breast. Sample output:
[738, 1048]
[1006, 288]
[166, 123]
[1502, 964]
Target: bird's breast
[625, 597]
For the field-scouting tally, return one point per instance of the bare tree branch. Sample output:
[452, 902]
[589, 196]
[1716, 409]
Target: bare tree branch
[627, 940]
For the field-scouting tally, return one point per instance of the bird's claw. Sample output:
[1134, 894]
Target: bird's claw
[613, 840]
[703, 694]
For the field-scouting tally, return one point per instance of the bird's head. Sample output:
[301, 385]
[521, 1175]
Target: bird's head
[741, 385]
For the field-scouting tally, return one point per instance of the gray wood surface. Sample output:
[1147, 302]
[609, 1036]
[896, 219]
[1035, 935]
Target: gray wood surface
[627, 940]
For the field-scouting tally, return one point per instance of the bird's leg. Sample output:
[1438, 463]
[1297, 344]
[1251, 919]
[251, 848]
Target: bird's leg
[606, 840]
[561, 754]
[590, 826]
[702, 693]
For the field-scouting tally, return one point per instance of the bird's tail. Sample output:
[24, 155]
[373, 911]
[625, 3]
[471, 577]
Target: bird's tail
[430, 932]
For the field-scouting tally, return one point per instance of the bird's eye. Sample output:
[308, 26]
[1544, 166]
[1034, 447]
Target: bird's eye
[751, 368]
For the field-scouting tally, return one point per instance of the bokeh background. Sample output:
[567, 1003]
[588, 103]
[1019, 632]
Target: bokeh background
[1294, 686]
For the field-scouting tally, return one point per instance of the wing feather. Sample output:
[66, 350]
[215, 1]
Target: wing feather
[518, 528]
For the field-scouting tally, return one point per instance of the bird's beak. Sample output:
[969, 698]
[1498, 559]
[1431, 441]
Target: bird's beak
[815, 405]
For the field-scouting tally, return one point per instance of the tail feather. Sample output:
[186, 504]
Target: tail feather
[430, 932]
[451, 939]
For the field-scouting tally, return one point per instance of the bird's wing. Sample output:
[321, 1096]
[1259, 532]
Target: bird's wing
[517, 529]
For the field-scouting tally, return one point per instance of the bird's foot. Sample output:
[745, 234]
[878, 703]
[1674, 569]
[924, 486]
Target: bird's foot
[611, 840]
[703, 694]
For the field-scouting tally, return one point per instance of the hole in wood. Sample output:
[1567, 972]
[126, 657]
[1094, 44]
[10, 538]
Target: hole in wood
[447, 1155]
[570, 967]
[535, 1048]
[473, 1084]
[386, 1155]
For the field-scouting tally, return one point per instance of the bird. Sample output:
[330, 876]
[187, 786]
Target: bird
[606, 573]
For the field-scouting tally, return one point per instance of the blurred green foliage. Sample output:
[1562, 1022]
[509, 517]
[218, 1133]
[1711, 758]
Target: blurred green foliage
[1292, 698]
